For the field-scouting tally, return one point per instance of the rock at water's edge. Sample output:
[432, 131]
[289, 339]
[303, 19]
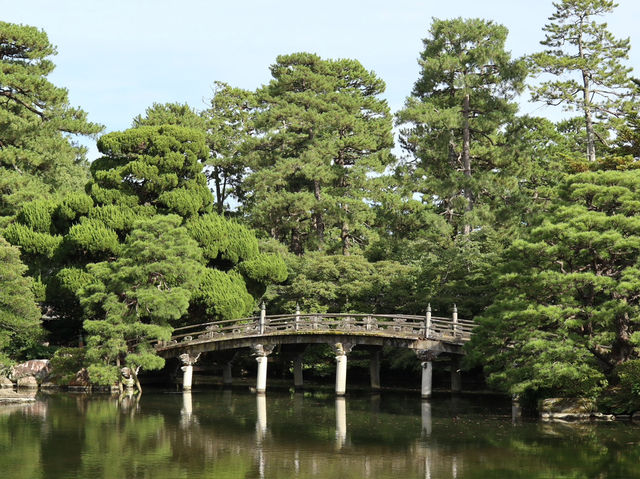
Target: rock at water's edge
[5, 383]
[566, 409]
[37, 368]
[28, 382]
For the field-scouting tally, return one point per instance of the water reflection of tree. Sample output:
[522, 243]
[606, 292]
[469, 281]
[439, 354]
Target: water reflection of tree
[20, 433]
[535, 450]
[167, 437]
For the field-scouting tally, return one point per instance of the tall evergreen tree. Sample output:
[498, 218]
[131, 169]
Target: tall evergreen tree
[229, 124]
[322, 131]
[37, 154]
[588, 60]
[566, 316]
[139, 296]
[19, 313]
[145, 172]
[454, 117]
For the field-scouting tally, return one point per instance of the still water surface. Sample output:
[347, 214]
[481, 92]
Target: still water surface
[224, 434]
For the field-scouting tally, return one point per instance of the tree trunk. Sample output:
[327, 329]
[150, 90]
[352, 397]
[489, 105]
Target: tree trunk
[344, 236]
[317, 216]
[219, 199]
[622, 349]
[296, 242]
[466, 156]
[588, 122]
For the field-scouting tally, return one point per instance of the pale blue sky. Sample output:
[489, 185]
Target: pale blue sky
[117, 57]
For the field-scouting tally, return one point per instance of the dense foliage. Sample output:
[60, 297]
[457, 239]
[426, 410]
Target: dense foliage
[323, 130]
[567, 312]
[38, 158]
[290, 194]
[19, 314]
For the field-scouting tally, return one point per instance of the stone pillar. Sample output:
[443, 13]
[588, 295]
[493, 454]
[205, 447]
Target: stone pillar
[263, 318]
[456, 378]
[455, 321]
[297, 324]
[227, 377]
[341, 422]
[427, 379]
[261, 383]
[187, 377]
[297, 372]
[426, 358]
[427, 322]
[374, 369]
[341, 350]
[187, 369]
[261, 352]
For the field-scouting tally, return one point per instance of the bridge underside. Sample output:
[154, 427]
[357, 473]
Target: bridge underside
[189, 349]
[198, 346]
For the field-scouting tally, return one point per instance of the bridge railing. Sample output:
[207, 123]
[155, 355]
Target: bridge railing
[411, 326]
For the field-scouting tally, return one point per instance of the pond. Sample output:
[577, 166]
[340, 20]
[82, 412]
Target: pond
[235, 434]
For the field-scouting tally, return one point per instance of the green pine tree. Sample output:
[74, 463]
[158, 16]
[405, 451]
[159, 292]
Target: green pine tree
[588, 61]
[566, 315]
[322, 131]
[453, 120]
[19, 314]
[38, 156]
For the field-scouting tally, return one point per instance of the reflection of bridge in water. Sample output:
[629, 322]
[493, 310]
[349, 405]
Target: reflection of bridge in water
[429, 336]
[420, 454]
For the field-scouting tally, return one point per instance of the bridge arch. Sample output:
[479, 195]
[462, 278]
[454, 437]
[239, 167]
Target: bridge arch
[429, 336]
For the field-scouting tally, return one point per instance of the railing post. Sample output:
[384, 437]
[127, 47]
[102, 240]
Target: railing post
[427, 322]
[263, 318]
[297, 315]
[455, 321]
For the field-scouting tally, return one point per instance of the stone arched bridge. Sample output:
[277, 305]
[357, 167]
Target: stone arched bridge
[429, 336]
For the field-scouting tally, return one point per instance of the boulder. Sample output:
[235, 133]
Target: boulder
[566, 409]
[36, 368]
[5, 383]
[28, 382]
[81, 381]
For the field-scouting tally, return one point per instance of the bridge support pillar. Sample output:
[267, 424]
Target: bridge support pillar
[261, 352]
[297, 372]
[426, 358]
[456, 378]
[374, 369]
[261, 383]
[187, 370]
[341, 350]
[427, 379]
